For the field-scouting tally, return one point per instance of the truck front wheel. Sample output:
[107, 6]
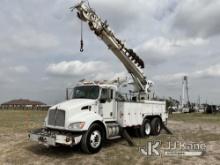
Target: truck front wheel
[92, 140]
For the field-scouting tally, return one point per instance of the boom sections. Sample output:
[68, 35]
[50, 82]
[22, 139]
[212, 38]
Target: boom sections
[132, 62]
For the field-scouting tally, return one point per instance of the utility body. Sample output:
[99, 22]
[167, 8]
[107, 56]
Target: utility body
[98, 111]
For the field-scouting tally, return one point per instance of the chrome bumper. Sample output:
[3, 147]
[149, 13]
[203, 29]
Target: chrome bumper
[50, 139]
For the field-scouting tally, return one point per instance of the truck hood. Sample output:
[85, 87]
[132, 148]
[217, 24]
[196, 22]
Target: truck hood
[74, 104]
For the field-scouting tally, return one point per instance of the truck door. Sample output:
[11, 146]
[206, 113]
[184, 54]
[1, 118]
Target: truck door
[107, 103]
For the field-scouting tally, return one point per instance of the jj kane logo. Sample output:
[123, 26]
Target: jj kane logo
[176, 148]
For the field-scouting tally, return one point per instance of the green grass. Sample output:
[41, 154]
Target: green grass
[20, 120]
[196, 117]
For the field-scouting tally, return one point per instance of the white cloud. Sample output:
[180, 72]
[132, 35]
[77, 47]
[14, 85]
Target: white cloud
[76, 68]
[122, 14]
[110, 76]
[167, 46]
[29, 40]
[4, 78]
[159, 49]
[19, 69]
[159, 45]
[10, 74]
[36, 40]
[212, 71]
[209, 72]
[198, 17]
[169, 77]
[92, 70]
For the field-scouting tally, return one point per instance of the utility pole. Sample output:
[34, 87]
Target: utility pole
[185, 92]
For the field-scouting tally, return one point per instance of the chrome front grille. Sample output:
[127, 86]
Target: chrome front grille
[56, 117]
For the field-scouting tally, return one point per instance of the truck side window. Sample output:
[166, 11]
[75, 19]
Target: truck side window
[107, 94]
[104, 94]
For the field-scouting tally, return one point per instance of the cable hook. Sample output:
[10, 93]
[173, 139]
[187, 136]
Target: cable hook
[81, 46]
[81, 41]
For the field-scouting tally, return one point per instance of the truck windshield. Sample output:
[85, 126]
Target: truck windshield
[86, 92]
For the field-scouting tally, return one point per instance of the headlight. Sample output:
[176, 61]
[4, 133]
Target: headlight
[78, 125]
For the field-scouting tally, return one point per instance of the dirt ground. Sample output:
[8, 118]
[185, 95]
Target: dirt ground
[16, 149]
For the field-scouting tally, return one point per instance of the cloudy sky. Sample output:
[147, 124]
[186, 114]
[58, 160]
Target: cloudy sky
[40, 57]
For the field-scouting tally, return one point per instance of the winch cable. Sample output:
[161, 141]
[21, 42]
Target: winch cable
[81, 41]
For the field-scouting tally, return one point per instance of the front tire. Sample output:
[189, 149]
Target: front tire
[92, 140]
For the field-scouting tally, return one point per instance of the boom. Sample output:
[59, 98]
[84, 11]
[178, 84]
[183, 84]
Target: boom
[132, 62]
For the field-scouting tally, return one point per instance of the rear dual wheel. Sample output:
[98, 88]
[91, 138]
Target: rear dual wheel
[156, 126]
[150, 127]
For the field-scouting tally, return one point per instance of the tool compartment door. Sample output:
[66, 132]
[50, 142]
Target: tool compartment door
[132, 114]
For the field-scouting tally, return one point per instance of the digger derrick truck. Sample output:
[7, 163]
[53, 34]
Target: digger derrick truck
[97, 111]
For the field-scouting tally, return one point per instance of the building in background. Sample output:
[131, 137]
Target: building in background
[24, 104]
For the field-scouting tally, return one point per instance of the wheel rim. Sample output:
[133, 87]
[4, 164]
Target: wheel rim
[147, 128]
[95, 139]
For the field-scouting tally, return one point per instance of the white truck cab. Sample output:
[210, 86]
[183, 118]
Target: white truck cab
[89, 103]
[97, 112]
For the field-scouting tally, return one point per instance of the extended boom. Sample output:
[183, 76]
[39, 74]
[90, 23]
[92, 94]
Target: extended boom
[132, 62]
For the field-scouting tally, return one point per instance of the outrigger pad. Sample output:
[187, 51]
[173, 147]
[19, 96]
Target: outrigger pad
[127, 137]
[167, 129]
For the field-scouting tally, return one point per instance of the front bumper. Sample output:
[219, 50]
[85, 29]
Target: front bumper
[48, 138]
